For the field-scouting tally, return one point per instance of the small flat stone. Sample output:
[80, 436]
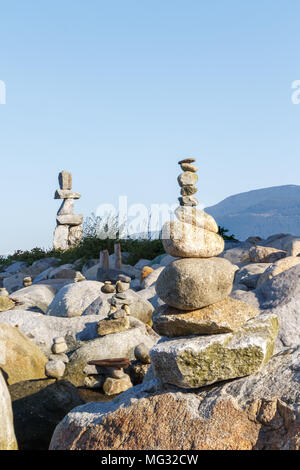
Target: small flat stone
[115, 362]
[186, 160]
[108, 289]
[124, 278]
[189, 167]
[74, 219]
[108, 327]
[66, 194]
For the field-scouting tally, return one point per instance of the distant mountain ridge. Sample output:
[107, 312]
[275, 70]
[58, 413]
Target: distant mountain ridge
[261, 212]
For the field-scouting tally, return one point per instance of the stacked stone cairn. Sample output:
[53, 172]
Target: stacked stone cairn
[207, 336]
[68, 232]
[108, 374]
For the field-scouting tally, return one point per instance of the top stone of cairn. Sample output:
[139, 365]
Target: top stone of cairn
[65, 180]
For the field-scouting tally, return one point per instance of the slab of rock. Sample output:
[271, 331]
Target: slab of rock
[42, 329]
[256, 412]
[70, 219]
[39, 296]
[115, 386]
[197, 218]
[278, 268]
[65, 180]
[60, 239]
[23, 359]
[108, 327]
[7, 433]
[225, 316]
[73, 299]
[187, 178]
[263, 254]
[38, 407]
[66, 194]
[202, 360]
[187, 241]
[190, 283]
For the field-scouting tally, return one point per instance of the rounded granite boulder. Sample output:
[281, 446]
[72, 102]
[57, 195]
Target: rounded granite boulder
[192, 283]
[188, 241]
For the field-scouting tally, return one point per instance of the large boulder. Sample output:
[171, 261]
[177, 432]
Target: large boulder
[39, 296]
[7, 433]
[38, 406]
[263, 254]
[191, 283]
[197, 361]
[250, 274]
[281, 296]
[260, 411]
[277, 268]
[112, 346]
[73, 299]
[42, 329]
[23, 359]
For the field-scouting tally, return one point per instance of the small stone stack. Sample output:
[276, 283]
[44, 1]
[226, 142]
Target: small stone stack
[187, 181]
[208, 337]
[68, 232]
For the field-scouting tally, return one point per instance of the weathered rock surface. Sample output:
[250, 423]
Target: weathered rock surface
[38, 406]
[278, 268]
[187, 241]
[197, 218]
[189, 284]
[39, 296]
[263, 254]
[187, 178]
[250, 274]
[73, 299]
[108, 327]
[6, 303]
[23, 359]
[60, 239]
[260, 411]
[70, 219]
[225, 316]
[42, 329]
[7, 433]
[113, 386]
[202, 360]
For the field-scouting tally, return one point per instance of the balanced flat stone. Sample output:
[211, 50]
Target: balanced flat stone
[225, 316]
[188, 190]
[108, 327]
[188, 201]
[192, 283]
[66, 194]
[186, 160]
[189, 167]
[203, 360]
[65, 180]
[74, 219]
[196, 217]
[67, 207]
[120, 362]
[187, 178]
[187, 241]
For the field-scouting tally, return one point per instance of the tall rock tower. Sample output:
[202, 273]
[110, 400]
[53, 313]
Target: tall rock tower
[68, 232]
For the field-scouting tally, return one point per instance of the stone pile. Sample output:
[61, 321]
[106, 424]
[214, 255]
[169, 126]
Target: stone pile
[108, 374]
[68, 232]
[208, 336]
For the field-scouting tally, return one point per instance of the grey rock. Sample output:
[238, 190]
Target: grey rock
[39, 296]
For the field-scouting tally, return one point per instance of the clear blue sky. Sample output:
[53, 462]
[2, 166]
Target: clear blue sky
[118, 91]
